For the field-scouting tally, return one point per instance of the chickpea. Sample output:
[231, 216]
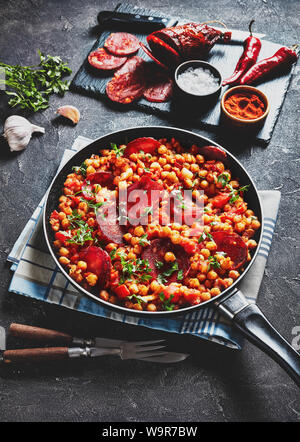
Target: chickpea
[154, 286]
[127, 237]
[200, 159]
[215, 291]
[137, 307]
[172, 177]
[175, 238]
[63, 251]
[134, 289]
[205, 296]
[155, 166]
[201, 277]
[65, 223]
[92, 279]
[204, 184]
[205, 253]
[169, 257]
[63, 260]
[139, 231]
[194, 283]
[211, 245]
[151, 307]
[203, 267]
[255, 224]
[90, 170]
[251, 244]
[233, 274]
[202, 173]
[240, 227]
[143, 289]
[82, 265]
[104, 295]
[212, 275]
[162, 149]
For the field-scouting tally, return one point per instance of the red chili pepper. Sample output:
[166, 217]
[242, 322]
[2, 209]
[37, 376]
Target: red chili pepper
[252, 47]
[284, 57]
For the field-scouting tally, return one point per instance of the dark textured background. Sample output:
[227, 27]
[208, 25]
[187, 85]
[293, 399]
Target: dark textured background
[214, 384]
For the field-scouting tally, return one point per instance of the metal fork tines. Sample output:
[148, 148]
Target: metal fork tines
[142, 349]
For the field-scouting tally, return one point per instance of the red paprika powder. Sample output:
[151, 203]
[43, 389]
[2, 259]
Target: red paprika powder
[245, 105]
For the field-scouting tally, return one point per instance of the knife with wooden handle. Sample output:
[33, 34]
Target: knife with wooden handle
[53, 336]
[149, 23]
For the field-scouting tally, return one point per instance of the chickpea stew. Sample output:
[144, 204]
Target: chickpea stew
[152, 227]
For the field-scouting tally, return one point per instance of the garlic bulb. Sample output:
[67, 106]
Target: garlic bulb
[18, 131]
[70, 112]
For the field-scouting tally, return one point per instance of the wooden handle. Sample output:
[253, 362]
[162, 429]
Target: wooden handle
[36, 354]
[39, 334]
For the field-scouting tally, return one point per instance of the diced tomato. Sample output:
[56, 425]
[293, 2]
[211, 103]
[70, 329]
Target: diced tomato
[62, 236]
[170, 290]
[54, 214]
[192, 297]
[220, 200]
[122, 291]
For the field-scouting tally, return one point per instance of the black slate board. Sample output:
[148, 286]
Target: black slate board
[223, 57]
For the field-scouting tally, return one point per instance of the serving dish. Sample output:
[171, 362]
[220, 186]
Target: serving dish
[231, 302]
[241, 122]
[198, 98]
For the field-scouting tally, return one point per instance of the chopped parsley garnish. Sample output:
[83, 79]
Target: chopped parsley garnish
[82, 235]
[119, 150]
[180, 275]
[159, 264]
[213, 262]
[80, 170]
[113, 254]
[138, 268]
[136, 298]
[223, 179]
[144, 240]
[166, 303]
[162, 278]
[235, 193]
[204, 236]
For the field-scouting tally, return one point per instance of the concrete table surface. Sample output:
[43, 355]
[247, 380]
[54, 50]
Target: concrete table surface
[215, 384]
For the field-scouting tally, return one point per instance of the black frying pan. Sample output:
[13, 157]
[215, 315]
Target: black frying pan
[231, 302]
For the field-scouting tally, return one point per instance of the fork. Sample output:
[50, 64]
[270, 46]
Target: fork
[127, 350]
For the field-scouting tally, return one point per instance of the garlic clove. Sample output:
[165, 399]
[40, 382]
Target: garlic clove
[18, 131]
[70, 112]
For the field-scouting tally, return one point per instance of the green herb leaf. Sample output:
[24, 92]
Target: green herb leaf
[119, 150]
[144, 240]
[223, 178]
[30, 87]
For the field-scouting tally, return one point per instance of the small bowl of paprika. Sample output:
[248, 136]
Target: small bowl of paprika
[245, 106]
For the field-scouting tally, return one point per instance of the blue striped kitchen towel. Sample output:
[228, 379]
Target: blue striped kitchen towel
[37, 276]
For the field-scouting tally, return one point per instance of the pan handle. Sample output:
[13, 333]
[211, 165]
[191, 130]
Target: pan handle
[249, 319]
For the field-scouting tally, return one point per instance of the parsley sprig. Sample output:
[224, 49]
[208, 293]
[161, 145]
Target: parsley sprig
[30, 87]
[204, 236]
[162, 278]
[138, 268]
[235, 193]
[119, 150]
[166, 303]
[80, 170]
[83, 232]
